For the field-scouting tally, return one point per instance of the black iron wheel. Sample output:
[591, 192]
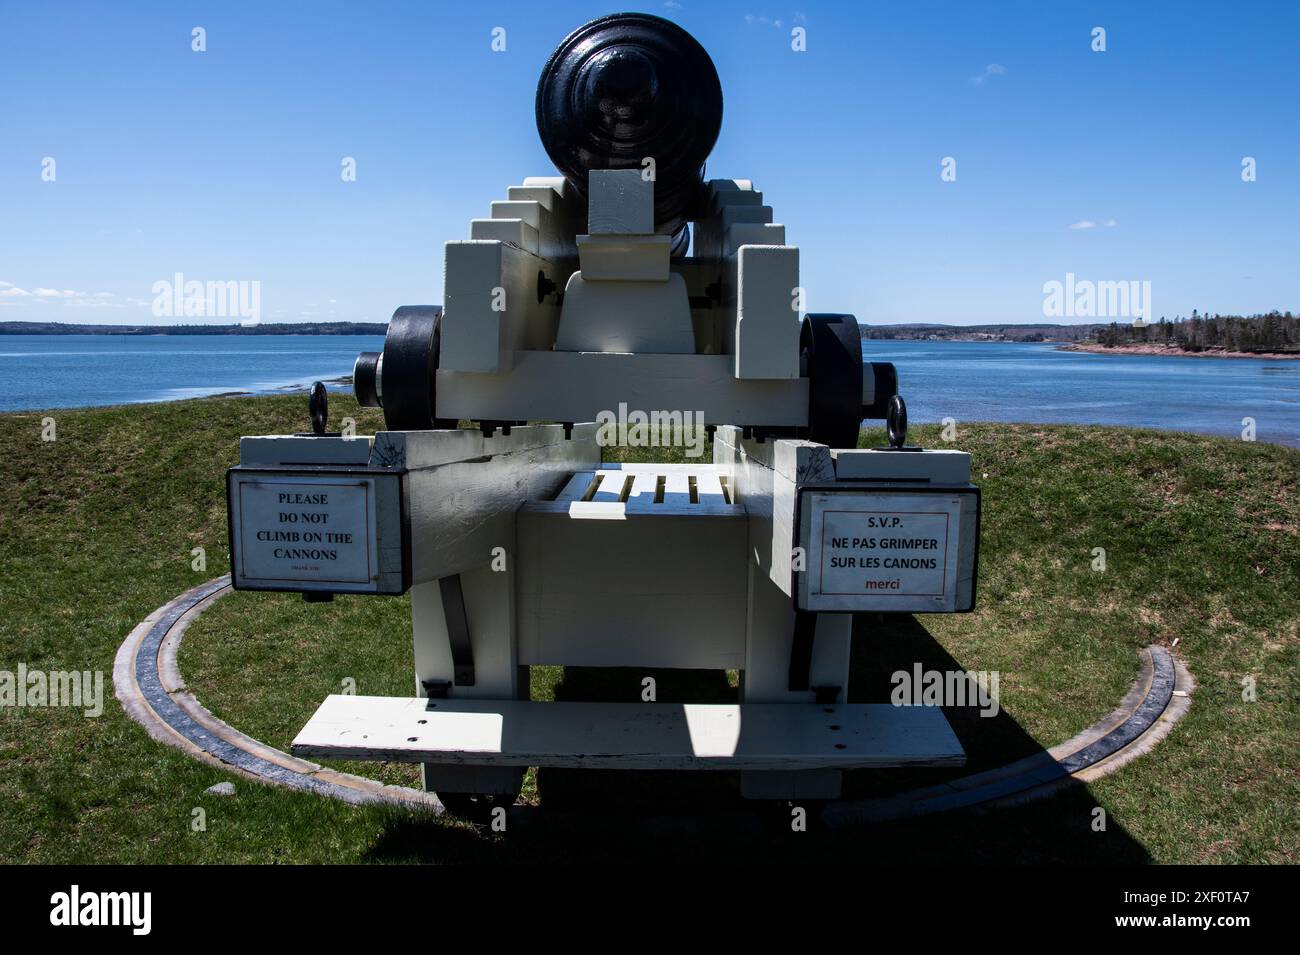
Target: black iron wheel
[830, 347]
[405, 379]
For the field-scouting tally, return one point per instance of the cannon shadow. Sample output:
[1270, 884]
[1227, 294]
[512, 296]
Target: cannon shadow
[639, 815]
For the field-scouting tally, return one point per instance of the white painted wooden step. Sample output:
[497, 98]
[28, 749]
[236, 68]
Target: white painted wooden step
[615, 491]
[749, 736]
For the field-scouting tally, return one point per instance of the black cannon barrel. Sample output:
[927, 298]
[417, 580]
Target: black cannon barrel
[626, 88]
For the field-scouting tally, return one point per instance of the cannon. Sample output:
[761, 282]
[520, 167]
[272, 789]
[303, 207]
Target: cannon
[579, 291]
[627, 295]
[626, 89]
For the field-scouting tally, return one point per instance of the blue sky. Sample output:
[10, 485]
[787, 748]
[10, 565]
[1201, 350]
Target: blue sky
[225, 165]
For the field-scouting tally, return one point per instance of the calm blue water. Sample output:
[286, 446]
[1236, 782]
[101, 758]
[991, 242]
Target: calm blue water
[969, 381]
[69, 371]
[991, 381]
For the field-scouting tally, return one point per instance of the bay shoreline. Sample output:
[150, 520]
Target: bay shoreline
[1170, 351]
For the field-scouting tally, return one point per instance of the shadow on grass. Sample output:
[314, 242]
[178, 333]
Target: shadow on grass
[639, 815]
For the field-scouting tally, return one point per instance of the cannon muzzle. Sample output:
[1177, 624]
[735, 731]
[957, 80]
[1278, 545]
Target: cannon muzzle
[633, 91]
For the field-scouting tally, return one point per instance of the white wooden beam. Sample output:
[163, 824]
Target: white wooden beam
[781, 736]
[593, 382]
[464, 488]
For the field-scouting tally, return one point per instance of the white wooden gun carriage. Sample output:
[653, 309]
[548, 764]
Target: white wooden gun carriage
[520, 547]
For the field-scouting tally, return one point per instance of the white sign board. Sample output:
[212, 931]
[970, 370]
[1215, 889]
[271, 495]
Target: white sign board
[886, 551]
[297, 532]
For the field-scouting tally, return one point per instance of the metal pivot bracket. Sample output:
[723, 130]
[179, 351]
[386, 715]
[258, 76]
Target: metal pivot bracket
[801, 649]
[826, 694]
[453, 609]
[436, 689]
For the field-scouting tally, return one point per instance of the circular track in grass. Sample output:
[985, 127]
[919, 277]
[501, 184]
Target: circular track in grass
[148, 683]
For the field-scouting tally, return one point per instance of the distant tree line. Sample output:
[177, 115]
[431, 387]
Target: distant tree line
[1271, 332]
[1003, 332]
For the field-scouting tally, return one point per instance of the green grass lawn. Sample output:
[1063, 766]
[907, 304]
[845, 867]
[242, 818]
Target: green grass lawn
[1202, 540]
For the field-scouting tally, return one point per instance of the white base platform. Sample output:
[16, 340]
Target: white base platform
[749, 736]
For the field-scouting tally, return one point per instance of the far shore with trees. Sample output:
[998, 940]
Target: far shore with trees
[1271, 335]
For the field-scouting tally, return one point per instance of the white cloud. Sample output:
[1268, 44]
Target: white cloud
[1083, 224]
[766, 21]
[56, 293]
[672, 4]
[67, 296]
[92, 303]
[1110, 223]
[993, 69]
